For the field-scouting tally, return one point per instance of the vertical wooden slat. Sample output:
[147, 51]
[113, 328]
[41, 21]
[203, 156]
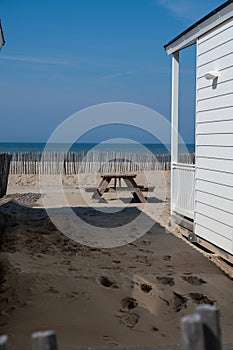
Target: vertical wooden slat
[192, 333]
[211, 328]
[5, 159]
[3, 342]
[44, 340]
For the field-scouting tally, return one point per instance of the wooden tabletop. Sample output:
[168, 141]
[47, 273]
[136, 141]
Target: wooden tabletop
[112, 175]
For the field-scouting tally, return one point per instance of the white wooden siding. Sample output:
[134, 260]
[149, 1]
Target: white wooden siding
[214, 138]
[224, 76]
[215, 152]
[216, 37]
[217, 63]
[219, 51]
[218, 214]
[217, 102]
[214, 225]
[214, 176]
[223, 127]
[215, 115]
[214, 237]
[220, 165]
[222, 88]
[216, 189]
[213, 200]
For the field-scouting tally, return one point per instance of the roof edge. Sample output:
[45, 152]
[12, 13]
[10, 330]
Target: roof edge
[196, 24]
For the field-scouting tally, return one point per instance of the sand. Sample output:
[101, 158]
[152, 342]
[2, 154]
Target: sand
[131, 295]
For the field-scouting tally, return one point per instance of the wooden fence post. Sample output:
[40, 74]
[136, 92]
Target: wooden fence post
[44, 340]
[211, 328]
[192, 333]
[5, 159]
[3, 342]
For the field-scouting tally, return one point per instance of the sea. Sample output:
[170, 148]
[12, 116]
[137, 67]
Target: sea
[155, 148]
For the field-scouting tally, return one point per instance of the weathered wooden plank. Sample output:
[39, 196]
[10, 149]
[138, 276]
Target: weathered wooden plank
[3, 342]
[181, 221]
[44, 340]
[132, 186]
[102, 188]
[192, 333]
[5, 159]
[211, 328]
[116, 175]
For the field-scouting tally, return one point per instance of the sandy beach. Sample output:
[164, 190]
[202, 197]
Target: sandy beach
[130, 295]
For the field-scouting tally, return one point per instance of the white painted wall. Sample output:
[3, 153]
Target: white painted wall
[214, 138]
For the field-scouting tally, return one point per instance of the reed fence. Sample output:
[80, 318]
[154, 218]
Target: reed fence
[199, 331]
[70, 163]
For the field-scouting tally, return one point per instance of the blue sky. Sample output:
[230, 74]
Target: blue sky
[62, 56]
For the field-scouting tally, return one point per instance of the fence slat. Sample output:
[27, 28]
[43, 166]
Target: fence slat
[3, 342]
[192, 333]
[211, 328]
[44, 340]
[5, 159]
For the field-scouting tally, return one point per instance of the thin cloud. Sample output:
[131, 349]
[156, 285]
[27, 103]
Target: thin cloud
[35, 60]
[186, 9]
[115, 75]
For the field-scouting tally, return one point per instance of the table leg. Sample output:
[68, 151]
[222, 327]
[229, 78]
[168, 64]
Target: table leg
[137, 193]
[102, 188]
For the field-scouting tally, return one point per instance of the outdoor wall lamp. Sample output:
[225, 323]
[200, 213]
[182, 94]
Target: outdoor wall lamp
[212, 75]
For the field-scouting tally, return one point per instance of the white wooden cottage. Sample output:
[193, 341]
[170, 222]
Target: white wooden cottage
[2, 40]
[203, 193]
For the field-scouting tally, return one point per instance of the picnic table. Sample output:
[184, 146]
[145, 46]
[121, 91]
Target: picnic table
[129, 180]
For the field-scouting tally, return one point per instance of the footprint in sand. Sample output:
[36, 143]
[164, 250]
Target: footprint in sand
[110, 340]
[107, 283]
[106, 253]
[178, 302]
[201, 299]
[95, 249]
[167, 257]
[129, 319]
[154, 329]
[146, 288]
[116, 261]
[106, 337]
[145, 251]
[3, 324]
[166, 280]
[146, 242]
[193, 280]
[53, 290]
[128, 303]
